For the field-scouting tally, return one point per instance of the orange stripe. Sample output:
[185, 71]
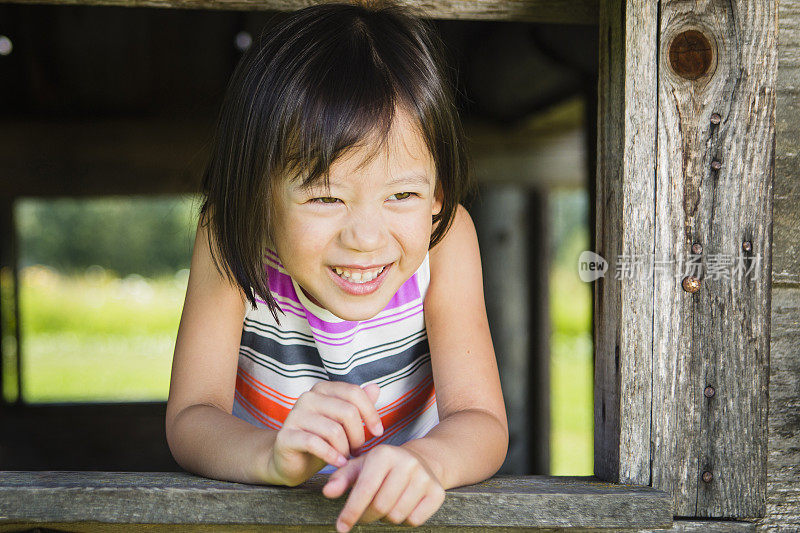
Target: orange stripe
[413, 404]
[388, 407]
[270, 389]
[419, 395]
[266, 405]
[258, 416]
[431, 401]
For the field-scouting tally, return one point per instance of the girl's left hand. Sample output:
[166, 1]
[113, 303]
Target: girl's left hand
[390, 481]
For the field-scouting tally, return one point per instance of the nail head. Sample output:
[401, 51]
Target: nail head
[747, 246]
[697, 248]
[708, 476]
[716, 165]
[691, 284]
[709, 392]
[715, 118]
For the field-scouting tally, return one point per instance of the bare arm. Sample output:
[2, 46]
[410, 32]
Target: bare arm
[211, 443]
[471, 440]
[202, 434]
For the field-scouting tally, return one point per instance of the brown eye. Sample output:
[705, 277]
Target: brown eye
[401, 195]
[326, 200]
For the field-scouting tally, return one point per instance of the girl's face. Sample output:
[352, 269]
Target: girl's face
[351, 248]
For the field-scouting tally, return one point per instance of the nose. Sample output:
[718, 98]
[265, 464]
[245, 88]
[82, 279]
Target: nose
[364, 231]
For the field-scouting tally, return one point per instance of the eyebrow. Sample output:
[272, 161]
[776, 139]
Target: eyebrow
[410, 179]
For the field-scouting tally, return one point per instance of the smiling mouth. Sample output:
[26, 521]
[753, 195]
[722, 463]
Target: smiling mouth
[358, 276]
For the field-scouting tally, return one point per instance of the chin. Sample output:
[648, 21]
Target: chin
[358, 315]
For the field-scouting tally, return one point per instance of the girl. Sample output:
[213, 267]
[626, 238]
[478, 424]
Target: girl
[335, 277]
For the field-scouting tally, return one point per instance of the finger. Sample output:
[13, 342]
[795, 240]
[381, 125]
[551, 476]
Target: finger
[409, 499]
[366, 486]
[303, 441]
[389, 493]
[344, 477]
[426, 508]
[339, 411]
[348, 417]
[330, 430]
[356, 395]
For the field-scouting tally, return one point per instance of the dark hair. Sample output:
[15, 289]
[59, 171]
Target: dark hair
[325, 79]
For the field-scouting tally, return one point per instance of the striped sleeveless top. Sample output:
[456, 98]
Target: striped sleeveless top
[278, 363]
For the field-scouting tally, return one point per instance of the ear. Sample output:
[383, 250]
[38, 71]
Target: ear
[438, 199]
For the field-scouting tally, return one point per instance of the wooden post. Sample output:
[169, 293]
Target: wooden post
[9, 257]
[512, 232]
[625, 188]
[783, 462]
[682, 355]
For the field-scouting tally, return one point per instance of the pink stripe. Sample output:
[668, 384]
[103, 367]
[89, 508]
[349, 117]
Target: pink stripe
[320, 341]
[287, 309]
[408, 292]
[364, 322]
[281, 284]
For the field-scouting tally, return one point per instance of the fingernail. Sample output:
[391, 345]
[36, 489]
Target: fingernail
[341, 461]
[341, 527]
[377, 429]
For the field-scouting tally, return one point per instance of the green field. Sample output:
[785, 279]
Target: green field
[96, 337]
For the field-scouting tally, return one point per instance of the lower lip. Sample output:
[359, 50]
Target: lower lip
[359, 289]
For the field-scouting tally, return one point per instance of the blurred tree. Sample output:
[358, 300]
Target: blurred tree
[149, 236]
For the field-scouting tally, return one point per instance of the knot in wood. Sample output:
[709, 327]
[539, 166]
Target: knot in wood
[691, 284]
[690, 54]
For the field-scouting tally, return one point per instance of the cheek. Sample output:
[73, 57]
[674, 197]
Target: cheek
[414, 233]
[307, 236]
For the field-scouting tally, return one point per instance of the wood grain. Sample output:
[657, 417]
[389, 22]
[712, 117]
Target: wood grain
[554, 11]
[182, 498]
[657, 346]
[786, 228]
[623, 311]
[718, 336]
[783, 463]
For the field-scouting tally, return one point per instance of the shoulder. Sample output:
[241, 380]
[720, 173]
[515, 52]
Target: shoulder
[460, 243]
[455, 260]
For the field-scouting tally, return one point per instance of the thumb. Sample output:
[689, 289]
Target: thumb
[373, 391]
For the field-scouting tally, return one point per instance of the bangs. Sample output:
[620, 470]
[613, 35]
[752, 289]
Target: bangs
[347, 99]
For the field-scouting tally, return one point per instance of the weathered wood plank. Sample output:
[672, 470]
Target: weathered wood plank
[679, 526]
[182, 498]
[783, 463]
[786, 226]
[572, 11]
[623, 311]
[714, 188]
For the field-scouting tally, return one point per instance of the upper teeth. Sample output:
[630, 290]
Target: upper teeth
[361, 276]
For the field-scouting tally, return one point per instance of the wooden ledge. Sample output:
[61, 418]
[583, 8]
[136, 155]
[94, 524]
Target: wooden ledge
[90, 501]
[561, 11]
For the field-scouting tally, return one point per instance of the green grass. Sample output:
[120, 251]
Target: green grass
[98, 338]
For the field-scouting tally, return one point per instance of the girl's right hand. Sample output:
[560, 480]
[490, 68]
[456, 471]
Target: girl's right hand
[324, 426]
